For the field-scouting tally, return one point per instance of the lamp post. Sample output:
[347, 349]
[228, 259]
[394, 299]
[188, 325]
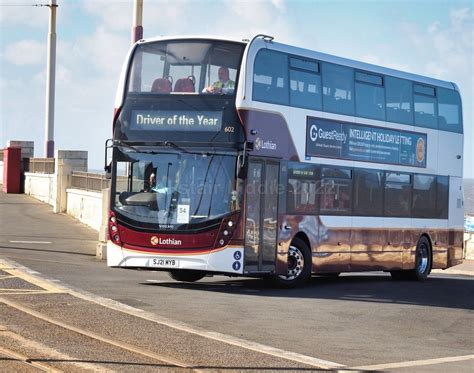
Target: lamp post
[137, 28]
[50, 82]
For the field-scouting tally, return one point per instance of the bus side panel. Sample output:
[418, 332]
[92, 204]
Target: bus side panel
[439, 245]
[450, 147]
[333, 252]
[456, 221]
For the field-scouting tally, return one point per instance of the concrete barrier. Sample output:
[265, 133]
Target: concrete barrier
[67, 161]
[40, 186]
[86, 207]
[469, 246]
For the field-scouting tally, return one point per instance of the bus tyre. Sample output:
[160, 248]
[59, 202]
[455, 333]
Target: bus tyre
[423, 260]
[186, 276]
[299, 265]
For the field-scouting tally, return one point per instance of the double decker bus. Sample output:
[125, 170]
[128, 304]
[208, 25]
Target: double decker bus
[307, 164]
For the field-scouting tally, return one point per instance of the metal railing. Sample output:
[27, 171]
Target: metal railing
[89, 181]
[41, 165]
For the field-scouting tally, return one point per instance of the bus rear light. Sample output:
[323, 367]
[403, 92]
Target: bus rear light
[226, 230]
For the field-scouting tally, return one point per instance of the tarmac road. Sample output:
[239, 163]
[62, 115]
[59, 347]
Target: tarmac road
[357, 321]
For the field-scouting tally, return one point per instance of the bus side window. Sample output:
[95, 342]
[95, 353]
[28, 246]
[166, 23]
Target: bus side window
[270, 79]
[449, 110]
[368, 192]
[336, 191]
[301, 196]
[398, 195]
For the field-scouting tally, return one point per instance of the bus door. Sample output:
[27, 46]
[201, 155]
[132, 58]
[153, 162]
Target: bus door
[261, 215]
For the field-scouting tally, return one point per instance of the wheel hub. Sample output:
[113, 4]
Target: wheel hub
[422, 258]
[295, 264]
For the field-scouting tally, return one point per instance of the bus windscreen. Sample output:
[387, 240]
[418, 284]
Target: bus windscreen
[185, 67]
[170, 189]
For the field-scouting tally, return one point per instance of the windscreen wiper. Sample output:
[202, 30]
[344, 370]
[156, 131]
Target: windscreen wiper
[177, 147]
[125, 145]
[135, 149]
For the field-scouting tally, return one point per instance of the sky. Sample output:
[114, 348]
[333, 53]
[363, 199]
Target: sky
[432, 38]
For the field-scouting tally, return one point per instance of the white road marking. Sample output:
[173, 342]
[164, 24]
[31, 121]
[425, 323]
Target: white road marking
[228, 339]
[43, 349]
[416, 363]
[43, 242]
[123, 345]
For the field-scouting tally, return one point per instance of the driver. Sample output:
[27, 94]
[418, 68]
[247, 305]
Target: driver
[152, 186]
[224, 85]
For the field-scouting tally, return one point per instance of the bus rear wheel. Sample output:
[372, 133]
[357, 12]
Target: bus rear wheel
[299, 265]
[186, 276]
[423, 260]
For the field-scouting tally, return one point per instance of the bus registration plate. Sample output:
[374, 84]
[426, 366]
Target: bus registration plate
[164, 263]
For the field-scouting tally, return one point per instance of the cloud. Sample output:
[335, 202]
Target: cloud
[447, 49]
[114, 15]
[105, 54]
[377, 60]
[459, 17]
[25, 52]
[36, 17]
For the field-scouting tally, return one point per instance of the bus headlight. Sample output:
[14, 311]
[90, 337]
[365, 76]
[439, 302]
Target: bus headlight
[113, 232]
[226, 230]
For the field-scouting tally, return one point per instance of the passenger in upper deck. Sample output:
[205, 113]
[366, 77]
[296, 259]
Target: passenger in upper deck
[224, 85]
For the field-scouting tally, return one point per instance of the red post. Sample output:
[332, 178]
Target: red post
[12, 170]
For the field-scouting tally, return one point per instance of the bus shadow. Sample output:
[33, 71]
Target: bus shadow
[448, 292]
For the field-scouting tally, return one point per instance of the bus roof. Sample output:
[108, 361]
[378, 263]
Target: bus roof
[188, 37]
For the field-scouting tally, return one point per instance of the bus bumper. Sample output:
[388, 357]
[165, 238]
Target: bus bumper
[228, 259]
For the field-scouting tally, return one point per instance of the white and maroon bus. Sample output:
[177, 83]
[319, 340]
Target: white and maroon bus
[306, 164]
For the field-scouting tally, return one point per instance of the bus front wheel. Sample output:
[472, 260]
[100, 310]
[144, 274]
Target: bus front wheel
[186, 276]
[299, 265]
[423, 260]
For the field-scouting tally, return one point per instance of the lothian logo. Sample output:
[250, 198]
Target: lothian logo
[166, 241]
[267, 144]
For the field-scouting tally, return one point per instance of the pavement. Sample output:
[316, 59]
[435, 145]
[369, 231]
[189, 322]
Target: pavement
[466, 268]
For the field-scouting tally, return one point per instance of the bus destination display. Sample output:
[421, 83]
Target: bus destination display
[201, 121]
[343, 140]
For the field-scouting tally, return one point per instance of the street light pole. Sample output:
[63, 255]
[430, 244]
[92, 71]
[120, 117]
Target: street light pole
[50, 82]
[137, 29]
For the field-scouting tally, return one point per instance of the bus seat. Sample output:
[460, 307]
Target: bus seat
[184, 85]
[442, 121]
[161, 85]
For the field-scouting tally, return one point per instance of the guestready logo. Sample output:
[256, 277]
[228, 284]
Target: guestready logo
[316, 133]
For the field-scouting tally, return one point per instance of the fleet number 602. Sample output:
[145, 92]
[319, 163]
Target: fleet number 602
[229, 129]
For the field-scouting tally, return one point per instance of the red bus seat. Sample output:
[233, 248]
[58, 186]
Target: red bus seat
[161, 85]
[184, 85]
